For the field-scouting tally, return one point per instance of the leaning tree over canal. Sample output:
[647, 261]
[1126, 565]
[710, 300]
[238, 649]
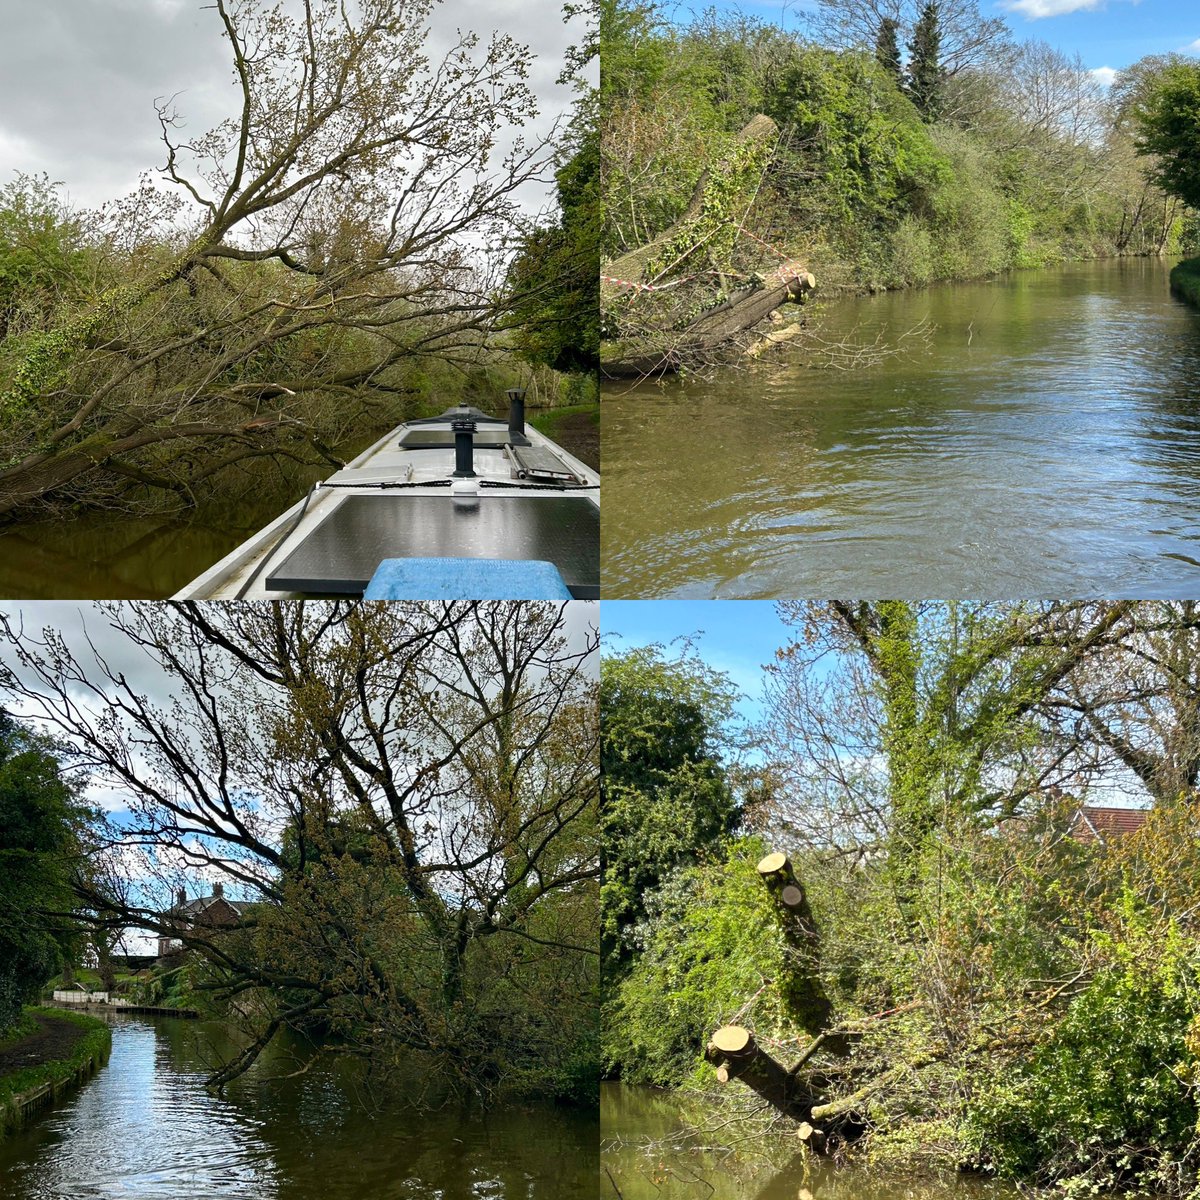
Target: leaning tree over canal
[403, 795]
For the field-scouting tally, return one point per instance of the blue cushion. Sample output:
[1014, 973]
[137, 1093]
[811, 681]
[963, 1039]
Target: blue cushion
[466, 579]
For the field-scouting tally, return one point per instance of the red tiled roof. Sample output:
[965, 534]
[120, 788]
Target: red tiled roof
[1093, 821]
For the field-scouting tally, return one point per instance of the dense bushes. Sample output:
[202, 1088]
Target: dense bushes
[1108, 1099]
[1185, 280]
[862, 188]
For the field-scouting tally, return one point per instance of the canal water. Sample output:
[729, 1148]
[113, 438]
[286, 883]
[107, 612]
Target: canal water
[654, 1147]
[116, 556]
[1045, 442]
[144, 1128]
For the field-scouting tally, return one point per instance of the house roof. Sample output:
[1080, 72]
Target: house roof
[1096, 823]
[201, 904]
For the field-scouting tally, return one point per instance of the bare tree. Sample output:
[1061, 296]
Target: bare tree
[968, 40]
[1136, 708]
[354, 215]
[400, 794]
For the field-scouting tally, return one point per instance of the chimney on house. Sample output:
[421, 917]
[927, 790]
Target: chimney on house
[181, 897]
[218, 890]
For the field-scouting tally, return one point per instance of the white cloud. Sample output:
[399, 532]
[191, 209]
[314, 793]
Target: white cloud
[1191, 47]
[78, 80]
[1104, 75]
[1035, 10]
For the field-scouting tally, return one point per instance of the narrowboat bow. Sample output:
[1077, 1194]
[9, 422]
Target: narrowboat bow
[458, 506]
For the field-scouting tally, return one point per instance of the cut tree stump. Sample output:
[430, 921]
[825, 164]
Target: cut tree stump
[706, 338]
[736, 1055]
[715, 333]
[802, 989]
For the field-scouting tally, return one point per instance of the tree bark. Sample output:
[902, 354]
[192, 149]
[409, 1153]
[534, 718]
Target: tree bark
[707, 337]
[632, 265]
[736, 1055]
[715, 332]
[802, 989]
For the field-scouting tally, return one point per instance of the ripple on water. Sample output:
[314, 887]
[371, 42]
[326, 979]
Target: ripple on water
[145, 1129]
[1055, 452]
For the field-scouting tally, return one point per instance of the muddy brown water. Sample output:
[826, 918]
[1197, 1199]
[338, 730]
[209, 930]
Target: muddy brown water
[116, 556]
[655, 1146]
[144, 1128]
[1046, 443]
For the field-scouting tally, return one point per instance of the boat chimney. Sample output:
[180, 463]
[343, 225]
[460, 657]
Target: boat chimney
[516, 417]
[464, 442]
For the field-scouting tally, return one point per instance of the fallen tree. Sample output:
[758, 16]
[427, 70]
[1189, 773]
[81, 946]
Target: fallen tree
[672, 301]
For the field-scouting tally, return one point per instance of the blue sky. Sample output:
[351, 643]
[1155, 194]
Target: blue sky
[734, 636]
[1107, 33]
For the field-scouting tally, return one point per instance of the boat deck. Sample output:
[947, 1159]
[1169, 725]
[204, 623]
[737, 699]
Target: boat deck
[531, 502]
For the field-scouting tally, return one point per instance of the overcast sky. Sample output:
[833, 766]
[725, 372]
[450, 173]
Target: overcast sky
[81, 623]
[78, 79]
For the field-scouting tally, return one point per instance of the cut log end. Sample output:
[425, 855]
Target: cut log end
[792, 897]
[723, 1075]
[772, 864]
[732, 1039]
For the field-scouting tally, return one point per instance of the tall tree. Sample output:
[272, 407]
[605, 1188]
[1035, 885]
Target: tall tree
[891, 721]
[969, 40]
[405, 795]
[42, 828]
[926, 75]
[887, 49]
[1136, 707]
[1167, 117]
[666, 796]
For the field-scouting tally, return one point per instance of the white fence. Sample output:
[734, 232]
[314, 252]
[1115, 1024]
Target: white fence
[77, 997]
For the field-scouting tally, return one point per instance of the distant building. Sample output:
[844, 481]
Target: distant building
[1095, 824]
[213, 911]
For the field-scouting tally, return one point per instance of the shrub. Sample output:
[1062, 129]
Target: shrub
[1108, 1100]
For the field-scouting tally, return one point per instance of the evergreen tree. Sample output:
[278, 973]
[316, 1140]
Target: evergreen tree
[925, 75]
[41, 826]
[887, 49]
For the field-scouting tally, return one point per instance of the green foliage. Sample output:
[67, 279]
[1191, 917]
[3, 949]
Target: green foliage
[1108, 1100]
[851, 130]
[925, 77]
[554, 274]
[41, 826]
[1185, 280]
[92, 1047]
[665, 796]
[887, 49]
[42, 253]
[1168, 123]
[873, 185]
[709, 940]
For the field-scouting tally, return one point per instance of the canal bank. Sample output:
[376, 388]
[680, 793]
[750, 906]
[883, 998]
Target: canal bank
[657, 1145]
[145, 1128]
[1043, 441]
[45, 1063]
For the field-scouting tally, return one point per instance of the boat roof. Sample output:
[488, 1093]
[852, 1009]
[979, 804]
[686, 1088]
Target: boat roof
[400, 499]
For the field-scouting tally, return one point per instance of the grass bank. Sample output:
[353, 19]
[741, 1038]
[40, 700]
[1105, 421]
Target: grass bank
[50, 1052]
[1185, 280]
[575, 427]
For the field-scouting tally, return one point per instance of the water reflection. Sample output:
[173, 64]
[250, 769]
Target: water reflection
[112, 555]
[145, 1129]
[648, 1155]
[1048, 444]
